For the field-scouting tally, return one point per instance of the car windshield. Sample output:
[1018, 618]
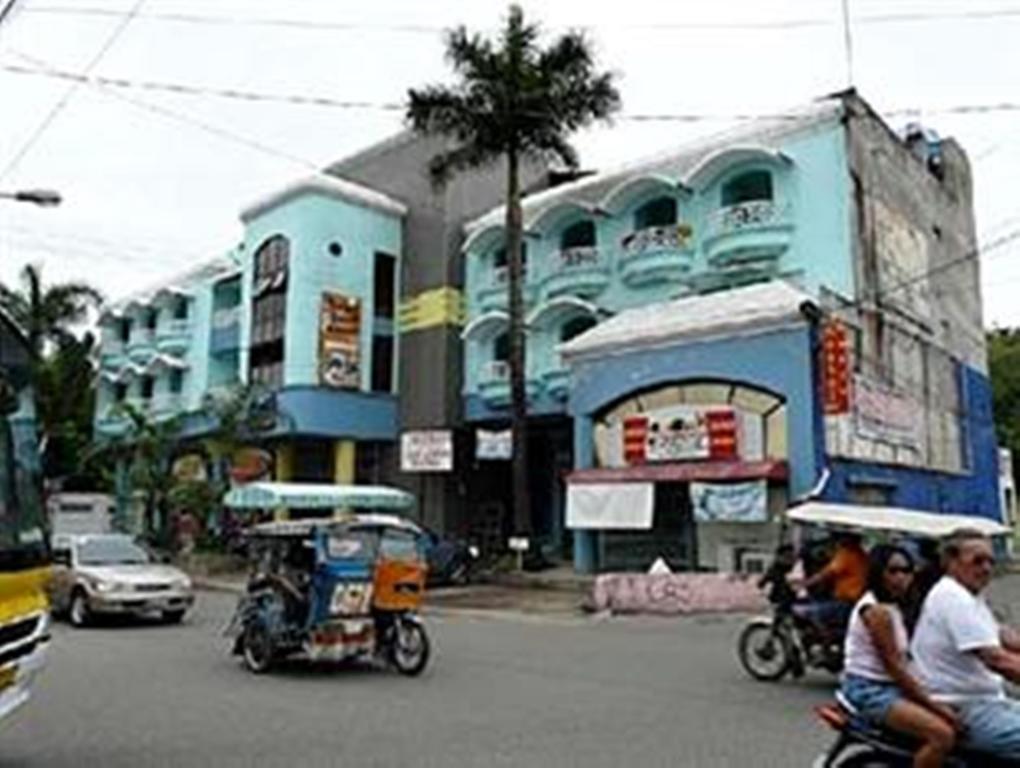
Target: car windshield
[111, 551]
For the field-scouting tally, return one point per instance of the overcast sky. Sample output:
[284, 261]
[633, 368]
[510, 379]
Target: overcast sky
[153, 181]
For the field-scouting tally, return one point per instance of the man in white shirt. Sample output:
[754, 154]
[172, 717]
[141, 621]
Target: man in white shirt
[963, 655]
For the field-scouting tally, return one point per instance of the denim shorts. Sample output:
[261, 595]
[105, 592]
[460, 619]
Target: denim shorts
[871, 698]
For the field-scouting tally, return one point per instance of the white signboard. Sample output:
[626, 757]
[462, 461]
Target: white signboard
[429, 451]
[730, 502]
[604, 506]
[884, 414]
[493, 445]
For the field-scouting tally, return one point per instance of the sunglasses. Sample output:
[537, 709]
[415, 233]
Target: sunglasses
[898, 569]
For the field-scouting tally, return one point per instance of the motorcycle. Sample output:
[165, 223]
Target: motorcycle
[788, 642]
[861, 745]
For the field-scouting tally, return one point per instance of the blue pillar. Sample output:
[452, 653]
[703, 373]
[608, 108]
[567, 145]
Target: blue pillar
[585, 542]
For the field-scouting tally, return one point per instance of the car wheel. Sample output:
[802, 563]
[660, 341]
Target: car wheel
[79, 614]
[173, 617]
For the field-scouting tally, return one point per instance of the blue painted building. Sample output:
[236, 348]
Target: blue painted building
[714, 331]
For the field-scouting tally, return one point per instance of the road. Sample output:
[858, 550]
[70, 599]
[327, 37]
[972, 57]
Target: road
[506, 691]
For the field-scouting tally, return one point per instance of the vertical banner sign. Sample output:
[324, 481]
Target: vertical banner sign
[835, 369]
[680, 433]
[339, 336]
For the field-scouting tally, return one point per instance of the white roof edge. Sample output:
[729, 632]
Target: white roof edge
[491, 316]
[328, 186]
[749, 131]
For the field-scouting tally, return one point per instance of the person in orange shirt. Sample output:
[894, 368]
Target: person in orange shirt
[846, 575]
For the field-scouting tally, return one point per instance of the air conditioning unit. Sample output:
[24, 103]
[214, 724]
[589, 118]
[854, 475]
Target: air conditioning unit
[754, 562]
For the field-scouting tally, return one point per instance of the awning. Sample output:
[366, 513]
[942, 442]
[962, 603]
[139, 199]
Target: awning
[891, 520]
[614, 506]
[316, 496]
[684, 472]
[485, 327]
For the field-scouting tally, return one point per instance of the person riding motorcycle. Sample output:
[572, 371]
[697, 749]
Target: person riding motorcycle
[847, 575]
[876, 678]
[962, 654]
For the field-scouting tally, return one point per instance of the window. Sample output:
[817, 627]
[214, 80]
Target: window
[120, 392]
[747, 187]
[501, 347]
[181, 308]
[382, 363]
[660, 212]
[385, 284]
[578, 235]
[150, 319]
[501, 260]
[148, 385]
[269, 311]
[575, 327]
[124, 329]
[176, 382]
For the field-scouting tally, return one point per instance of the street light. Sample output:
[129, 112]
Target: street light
[47, 198]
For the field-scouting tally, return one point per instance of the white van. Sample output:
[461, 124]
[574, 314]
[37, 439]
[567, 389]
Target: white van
[72, 514]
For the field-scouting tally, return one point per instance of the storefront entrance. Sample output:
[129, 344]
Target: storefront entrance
[673, 535]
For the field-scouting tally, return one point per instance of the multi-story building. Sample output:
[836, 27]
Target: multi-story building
[342, 300]
[788, 308]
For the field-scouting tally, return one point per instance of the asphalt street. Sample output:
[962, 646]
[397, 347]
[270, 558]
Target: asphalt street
[526, 690]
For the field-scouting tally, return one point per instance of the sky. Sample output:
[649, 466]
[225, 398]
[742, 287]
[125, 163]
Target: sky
[153, 181]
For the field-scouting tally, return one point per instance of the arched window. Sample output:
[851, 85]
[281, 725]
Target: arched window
[747, 187]
[500, 257]
[580, 234]
[501, 347]
[660, 212]
[575, 327]
[269, 311]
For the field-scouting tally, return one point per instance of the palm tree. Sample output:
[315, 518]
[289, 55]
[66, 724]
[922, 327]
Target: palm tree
[514, 101]
[47, 313]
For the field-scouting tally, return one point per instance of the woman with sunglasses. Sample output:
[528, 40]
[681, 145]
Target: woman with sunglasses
[876, 679]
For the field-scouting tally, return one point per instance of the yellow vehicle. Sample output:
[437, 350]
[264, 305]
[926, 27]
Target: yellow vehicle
[24, 555]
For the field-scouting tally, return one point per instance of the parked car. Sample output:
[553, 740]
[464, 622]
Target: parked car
[451, 561]
[109, 574]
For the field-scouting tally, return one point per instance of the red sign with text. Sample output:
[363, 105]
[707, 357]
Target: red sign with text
[835, 368]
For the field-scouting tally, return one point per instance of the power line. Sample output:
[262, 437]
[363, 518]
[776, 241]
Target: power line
[185, 89]
[69, 93]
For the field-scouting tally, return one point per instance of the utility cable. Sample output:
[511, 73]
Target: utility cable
[69, 93]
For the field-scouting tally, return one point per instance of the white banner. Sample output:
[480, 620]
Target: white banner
[885, 414]
[493, 445]
[730, 502]
[430, 451]
[604, 506]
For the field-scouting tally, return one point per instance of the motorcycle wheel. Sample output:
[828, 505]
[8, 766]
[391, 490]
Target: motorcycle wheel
[257, 648]
[765, 653]
[870, 759]
[409, 648]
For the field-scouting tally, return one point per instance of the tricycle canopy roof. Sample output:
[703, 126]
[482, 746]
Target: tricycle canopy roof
[317, 496]
[913, 522]
[304, 528]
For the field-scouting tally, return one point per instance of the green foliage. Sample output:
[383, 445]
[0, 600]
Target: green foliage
[1004, 369]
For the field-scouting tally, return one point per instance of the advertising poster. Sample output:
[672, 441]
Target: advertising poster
[730, 502]
[339, 336]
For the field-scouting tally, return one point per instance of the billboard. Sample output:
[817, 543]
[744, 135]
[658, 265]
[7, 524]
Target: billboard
[339, 341]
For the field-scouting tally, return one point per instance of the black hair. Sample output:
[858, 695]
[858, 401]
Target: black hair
[878, 561]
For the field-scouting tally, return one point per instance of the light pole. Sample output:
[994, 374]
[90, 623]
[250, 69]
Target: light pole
[46, 198]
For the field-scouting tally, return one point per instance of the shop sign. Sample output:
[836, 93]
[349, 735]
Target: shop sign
[884, 414]
[680, 433]
[730, 502]
[339, 341]
[189, 469]
[835, 368]
[491, 445]
[428, 451]
[250, 464]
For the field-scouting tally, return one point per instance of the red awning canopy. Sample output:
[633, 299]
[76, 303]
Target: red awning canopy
[685, 472]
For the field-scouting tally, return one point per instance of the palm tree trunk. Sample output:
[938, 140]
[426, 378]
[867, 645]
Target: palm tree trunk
[518, 394]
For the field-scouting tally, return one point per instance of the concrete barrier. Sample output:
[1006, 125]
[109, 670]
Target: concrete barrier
[676, 593]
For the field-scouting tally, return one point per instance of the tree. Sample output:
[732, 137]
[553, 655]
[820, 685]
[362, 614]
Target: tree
[1004, 371]
[513, 101]
[46, 314]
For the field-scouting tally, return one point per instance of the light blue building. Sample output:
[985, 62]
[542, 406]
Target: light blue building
[716, 330]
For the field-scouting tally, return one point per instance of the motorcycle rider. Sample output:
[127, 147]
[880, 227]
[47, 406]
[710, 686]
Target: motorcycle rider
[962, 653]
[876, 678]
[846, 574]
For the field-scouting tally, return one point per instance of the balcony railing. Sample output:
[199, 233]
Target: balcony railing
[675, 237]
[494, 295]
[752, 215]
[582, 270]
[748, 236]
[657, 254]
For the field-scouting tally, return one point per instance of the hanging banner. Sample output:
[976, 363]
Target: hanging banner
[680, 433]
[429, 451]
[835, 369]
[610, 506]
[339, 341]
[884, 414]
[730, 502]
[493, 445]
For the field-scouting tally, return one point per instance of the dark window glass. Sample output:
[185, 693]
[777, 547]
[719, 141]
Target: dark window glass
[176, 382]
[500, 258]
[150, 319]
[181, 309]
[578, 235]
[575, 327]
[120, 392]
[382, 363]
[147, 387]
[125, 329]
[269, 311]
[660, 212]
[501, 347]
[385, 284]
[747, 187]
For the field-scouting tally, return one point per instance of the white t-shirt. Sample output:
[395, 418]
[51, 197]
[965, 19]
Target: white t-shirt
[860, 656]
[954, 623]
